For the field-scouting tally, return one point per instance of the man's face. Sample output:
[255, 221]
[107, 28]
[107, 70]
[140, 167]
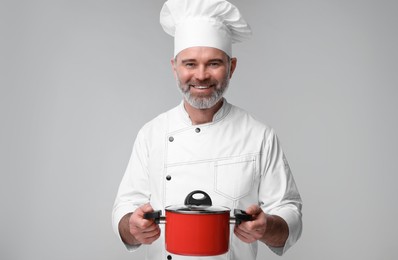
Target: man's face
[203, 74]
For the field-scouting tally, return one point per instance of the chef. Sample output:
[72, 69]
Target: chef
[206, 143]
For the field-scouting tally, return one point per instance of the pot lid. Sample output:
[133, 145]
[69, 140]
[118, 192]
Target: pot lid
[193, 209]
[197, 202]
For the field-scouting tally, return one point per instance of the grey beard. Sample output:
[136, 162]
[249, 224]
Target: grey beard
[204, 102]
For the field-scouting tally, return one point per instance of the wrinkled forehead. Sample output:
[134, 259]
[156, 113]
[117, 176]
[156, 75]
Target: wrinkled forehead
[202, 53]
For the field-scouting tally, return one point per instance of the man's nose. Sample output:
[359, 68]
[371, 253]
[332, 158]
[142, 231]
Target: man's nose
[201, 73]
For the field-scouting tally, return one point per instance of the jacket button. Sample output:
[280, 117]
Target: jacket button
[171, 139]
[169, 257]
[168, 177]
[197, 130]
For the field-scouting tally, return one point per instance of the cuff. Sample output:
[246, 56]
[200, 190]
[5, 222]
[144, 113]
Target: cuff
[117, 214]
[294, 222]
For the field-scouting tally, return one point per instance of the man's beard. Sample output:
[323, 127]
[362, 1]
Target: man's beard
[204, 102]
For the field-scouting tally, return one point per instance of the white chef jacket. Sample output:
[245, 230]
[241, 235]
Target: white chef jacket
[237, 160]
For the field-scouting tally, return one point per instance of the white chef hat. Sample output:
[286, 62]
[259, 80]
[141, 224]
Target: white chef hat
[210, 23]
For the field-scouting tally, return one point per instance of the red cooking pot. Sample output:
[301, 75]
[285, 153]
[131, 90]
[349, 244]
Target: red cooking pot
[197, 228]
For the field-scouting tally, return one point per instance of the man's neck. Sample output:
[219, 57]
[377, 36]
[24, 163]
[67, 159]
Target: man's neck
[202, 116]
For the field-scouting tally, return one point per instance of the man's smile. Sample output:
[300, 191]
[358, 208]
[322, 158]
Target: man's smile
[200, 86]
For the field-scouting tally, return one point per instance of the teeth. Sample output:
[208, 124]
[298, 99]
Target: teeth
[201, 87]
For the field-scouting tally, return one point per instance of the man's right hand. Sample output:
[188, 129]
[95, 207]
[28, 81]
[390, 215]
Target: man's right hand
[135, 230]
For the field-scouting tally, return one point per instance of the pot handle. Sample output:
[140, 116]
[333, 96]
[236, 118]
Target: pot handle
[204, 201]
[241, 215]
[155, 215]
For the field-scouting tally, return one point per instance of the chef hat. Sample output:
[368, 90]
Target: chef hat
[210, 23]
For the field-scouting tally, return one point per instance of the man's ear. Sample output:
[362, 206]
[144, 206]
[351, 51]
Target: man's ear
[173, 66]
[234, 61]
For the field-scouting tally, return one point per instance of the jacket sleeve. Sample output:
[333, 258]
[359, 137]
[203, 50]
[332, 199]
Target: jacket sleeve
[278, 192]
[134, 188]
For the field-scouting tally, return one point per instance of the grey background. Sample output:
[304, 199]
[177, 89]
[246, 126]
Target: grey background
[79, 78]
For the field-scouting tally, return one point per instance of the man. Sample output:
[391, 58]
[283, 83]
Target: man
[207, 144]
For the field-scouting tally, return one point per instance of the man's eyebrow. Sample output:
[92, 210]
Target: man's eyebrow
[219, 60]
[188, 60]
[216, 60]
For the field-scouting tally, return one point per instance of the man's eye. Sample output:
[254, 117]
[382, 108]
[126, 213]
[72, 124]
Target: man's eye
[214, 64]
[189, 65]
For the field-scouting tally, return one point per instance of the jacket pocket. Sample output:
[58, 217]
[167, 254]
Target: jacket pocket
[234, 177]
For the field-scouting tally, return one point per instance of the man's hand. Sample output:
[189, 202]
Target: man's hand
[250, 231]
[135, 230]
[270, 229]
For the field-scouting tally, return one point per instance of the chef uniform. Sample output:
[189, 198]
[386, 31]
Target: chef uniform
[236, 159]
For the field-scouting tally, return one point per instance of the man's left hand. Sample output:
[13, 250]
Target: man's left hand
[250, 231]
[269, 229]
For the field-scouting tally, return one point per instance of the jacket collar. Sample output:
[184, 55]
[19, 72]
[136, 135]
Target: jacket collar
[218, 116]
